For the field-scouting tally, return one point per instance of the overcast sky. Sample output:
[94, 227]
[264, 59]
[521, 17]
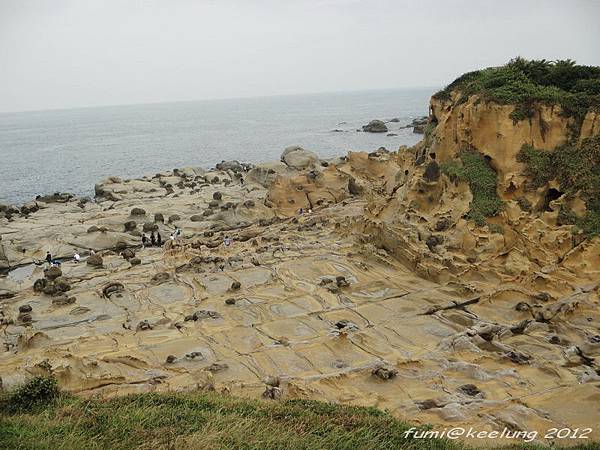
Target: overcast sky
[70, 53]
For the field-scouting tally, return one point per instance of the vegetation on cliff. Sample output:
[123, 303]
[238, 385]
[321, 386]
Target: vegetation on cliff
[576, 168]
[523, 83]
[473, 168]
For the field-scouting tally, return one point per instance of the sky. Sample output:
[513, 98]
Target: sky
[80, 53]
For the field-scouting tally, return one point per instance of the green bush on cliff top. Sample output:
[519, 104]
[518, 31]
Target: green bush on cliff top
[473, 168]
[522, 83]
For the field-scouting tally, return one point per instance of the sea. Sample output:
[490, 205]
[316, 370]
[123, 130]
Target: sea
[69, 150]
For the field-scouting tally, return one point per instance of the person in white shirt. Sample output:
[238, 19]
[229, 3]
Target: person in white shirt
[76, 257]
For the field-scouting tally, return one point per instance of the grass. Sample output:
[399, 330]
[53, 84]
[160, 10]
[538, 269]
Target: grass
[473, 168]
[203, 420]
[577, 170]
[524, 83]
[38, 415]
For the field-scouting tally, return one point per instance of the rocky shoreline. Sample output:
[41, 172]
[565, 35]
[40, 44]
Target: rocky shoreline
[380, 293]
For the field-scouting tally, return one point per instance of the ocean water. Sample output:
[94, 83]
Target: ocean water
[69, 150]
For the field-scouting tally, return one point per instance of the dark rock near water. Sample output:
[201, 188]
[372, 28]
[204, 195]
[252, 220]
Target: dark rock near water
[375, 126]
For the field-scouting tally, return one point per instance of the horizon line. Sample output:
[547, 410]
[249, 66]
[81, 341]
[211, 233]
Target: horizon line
[248, 97]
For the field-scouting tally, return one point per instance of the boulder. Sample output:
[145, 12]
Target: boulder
[130, 225]
[234, 166]
[296, 157]
[57, 197]
[158, 217]
[29, 207]
[217, 196]
[25, 309]
[197, 218]
[128, 253]
[375, 126]
[138, 212]
[174, 218]
[135, 261]
[53, 273]
[95, 261]
[40, 284]
[149, 226]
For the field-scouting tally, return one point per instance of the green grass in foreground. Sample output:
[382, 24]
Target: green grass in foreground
[200, 420]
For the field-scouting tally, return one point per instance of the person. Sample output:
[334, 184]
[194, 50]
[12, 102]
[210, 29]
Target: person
[48, 258]
[144, 240]
[226, 241]
[152, 239]
[158, 239]
[76, 257]
[172, 236]
[301, 211]
[177, 232]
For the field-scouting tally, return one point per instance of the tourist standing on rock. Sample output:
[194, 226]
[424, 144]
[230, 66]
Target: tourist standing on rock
[158, 239]
[144, 240]
[152, 239]
[48, 258]
[227, 241]
[76, 257]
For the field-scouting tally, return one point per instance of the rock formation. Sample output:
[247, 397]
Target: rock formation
[451, 283]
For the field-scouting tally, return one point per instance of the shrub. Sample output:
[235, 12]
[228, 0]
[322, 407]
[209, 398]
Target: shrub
[473, 168]
[576, 168]
[38, 390]
[495, 228]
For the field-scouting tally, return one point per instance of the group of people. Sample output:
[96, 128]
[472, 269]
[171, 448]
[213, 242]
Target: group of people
[50, 261]
[155, 240]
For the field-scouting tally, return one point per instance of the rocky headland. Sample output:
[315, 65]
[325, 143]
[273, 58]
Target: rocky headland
[454, 282]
